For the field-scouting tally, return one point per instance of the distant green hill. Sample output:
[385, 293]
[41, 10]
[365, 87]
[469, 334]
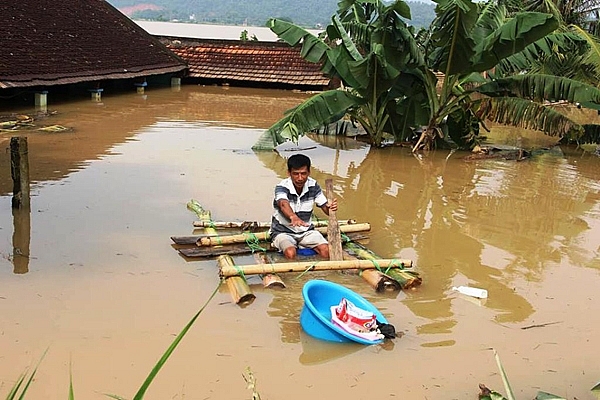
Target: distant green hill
[307, 13]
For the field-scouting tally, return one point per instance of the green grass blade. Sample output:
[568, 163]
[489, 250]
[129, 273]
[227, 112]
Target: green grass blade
[17, 387]
[71, 392]
[596, 390]
[548, 396]
[140, 394]
[13, 392]
[509, 392]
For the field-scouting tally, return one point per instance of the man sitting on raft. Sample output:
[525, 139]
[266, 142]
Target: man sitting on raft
[295, 197]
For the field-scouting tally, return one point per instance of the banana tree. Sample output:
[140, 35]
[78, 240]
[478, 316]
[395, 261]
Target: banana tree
[365, 47]
[388, 84]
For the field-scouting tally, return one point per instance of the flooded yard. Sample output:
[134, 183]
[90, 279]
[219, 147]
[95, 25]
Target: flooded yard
[105, 292]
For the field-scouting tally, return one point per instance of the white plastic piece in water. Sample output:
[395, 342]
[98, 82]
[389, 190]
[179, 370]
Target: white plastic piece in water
[471, 291]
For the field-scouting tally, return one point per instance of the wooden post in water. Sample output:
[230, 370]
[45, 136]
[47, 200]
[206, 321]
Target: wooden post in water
[333, 229]
[19, 168]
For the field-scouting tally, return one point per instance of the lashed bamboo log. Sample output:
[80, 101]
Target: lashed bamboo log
[269, 280]
[406, 279]
[262, 236]
[238, 288]
[380, 281]
[375, 278]
[256, 224]
[300, 266]
[235, 248]
[333, 229]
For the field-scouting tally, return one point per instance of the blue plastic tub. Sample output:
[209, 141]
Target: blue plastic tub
[315, 318]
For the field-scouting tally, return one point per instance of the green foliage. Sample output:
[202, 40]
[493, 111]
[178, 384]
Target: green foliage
[19, 390]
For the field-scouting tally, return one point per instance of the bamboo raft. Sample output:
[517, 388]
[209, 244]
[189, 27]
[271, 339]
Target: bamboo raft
[348, 254]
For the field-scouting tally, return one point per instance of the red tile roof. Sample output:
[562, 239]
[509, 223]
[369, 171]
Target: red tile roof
[263, 62]
[53, 42]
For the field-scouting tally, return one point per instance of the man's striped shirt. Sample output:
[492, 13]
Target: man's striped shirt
[302, 205]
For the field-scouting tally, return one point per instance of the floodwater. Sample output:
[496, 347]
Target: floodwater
[91, 276]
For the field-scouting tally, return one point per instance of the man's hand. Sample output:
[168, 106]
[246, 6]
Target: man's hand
[330, 206]
[296, 221]
[286, 209]
[333, 204]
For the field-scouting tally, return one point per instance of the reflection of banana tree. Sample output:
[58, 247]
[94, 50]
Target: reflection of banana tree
[542, 208]
[422, 216]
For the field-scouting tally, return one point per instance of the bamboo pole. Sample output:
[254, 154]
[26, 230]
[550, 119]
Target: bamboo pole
[238, 287]
[333, 229]
[249, 225]
[300, 266]
[406, 279]
[235, 248]
[263, 236]
[269, 280]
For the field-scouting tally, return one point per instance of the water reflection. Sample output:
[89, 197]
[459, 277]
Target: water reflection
[484, 224]
[96, 128]
[21, 239]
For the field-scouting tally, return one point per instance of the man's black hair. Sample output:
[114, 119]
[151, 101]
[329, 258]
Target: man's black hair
[298, 161]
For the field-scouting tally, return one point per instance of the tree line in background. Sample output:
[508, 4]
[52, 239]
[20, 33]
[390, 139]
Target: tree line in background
[306, 13]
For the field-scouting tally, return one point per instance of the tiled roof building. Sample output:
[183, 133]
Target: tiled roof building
[236, 62]
[49, 42]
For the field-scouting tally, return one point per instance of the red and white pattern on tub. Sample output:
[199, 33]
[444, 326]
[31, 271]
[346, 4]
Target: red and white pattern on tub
[354, 317]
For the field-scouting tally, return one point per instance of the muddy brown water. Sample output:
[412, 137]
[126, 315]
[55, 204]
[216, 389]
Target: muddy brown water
[105, 292]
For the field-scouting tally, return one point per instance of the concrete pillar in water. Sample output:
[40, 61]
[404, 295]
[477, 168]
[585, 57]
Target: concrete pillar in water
[41, 101]
[141, 87]
[175, 84]
[96, 95]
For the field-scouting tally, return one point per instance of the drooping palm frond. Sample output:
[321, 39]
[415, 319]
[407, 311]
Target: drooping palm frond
[341, 33]
[321, 109]
[353, 9]
[512, 37]
[359, 32]
[593, 55]
[451, 41]
[491, 17]
[539, 88]
[533, 57]
[591, 134]
[313, 48]
[528, 115]
[544, 6]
